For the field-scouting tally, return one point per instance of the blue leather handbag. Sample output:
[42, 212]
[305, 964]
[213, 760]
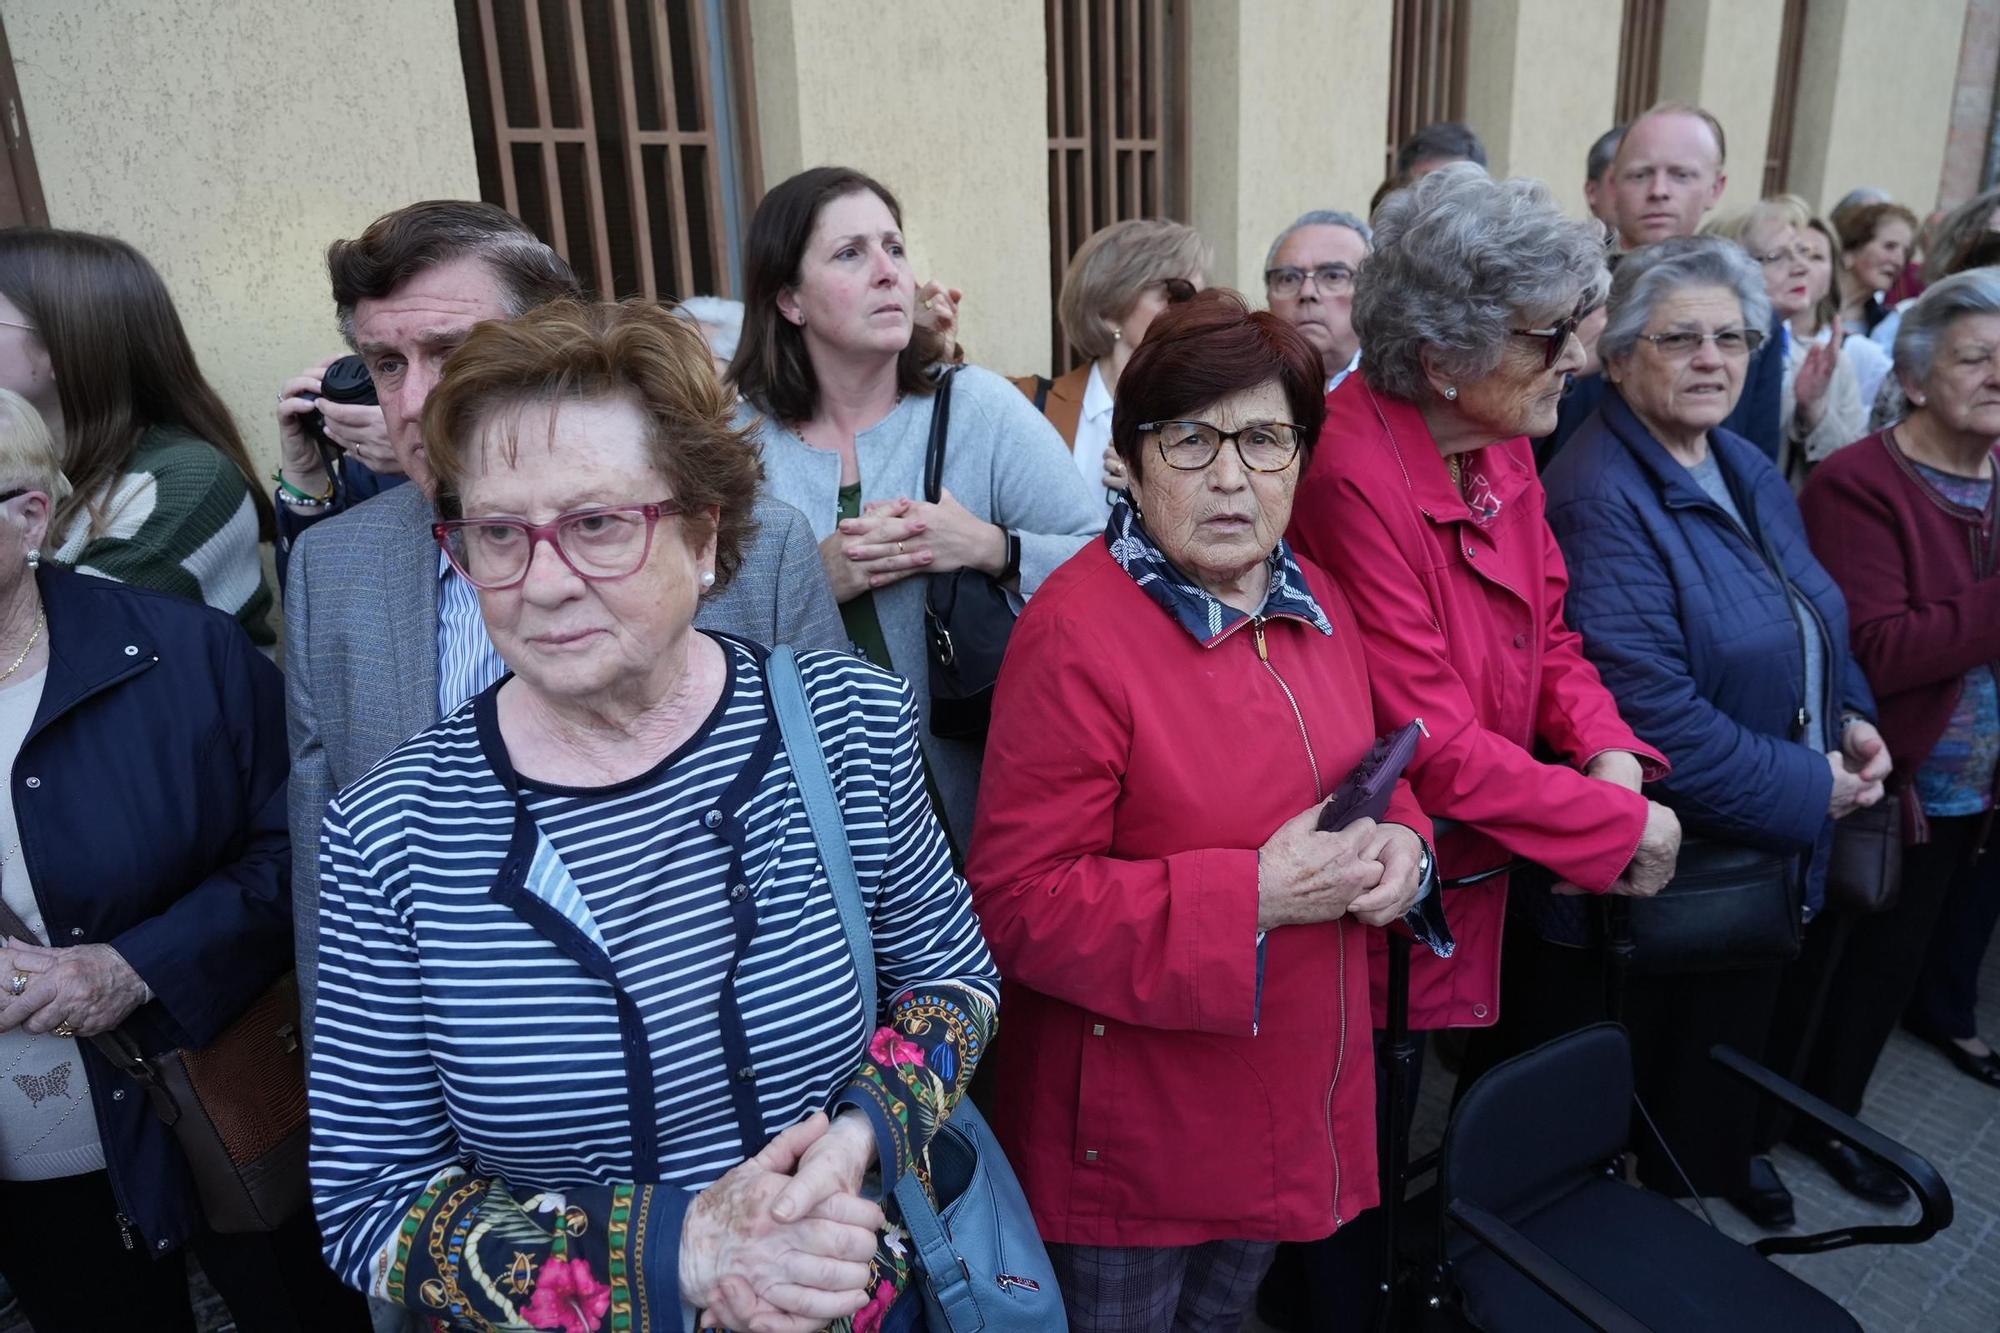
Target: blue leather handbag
[982, 1260]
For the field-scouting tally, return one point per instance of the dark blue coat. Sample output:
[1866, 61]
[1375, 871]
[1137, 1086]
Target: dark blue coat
[1694, 635]
[150, 794]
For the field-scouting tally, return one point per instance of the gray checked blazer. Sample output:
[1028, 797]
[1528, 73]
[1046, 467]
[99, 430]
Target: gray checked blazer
[361, 650]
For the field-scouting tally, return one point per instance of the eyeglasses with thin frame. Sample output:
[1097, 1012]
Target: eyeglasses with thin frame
[601, 544]
[1286, 280]
[1190, 446]
[1683, 343]
[1785, 256]
[17, 324]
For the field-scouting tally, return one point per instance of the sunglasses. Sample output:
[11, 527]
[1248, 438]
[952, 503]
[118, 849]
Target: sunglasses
[1556, 337]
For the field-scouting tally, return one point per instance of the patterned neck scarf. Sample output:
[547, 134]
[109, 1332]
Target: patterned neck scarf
[1201, 613]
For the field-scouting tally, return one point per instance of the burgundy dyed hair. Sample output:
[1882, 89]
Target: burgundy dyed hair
[1201, 351]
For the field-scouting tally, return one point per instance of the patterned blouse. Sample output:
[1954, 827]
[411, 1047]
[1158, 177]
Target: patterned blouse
[549, 1017]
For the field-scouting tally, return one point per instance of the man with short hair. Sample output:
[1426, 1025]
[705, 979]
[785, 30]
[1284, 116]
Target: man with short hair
[1668, 171]
[383, 637]
[1436, 146]
[1309, 283]
[1597, 179]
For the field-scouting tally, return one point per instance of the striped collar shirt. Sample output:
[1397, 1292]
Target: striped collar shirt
[467, 660]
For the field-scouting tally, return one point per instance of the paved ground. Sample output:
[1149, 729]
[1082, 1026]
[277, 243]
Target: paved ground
[1949, 1285]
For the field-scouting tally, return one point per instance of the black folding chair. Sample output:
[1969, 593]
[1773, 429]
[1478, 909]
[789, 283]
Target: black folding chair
[1541, 1234]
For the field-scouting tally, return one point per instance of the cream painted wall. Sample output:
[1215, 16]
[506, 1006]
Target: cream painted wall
[1291, 101]
[1876, 85]
[1541, 83]
[1723, 55]
[946, 103]
[222, 139]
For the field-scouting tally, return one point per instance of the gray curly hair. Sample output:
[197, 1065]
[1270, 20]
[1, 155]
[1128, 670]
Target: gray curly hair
[1644, 276]
[1973, 292]
[1460, 260]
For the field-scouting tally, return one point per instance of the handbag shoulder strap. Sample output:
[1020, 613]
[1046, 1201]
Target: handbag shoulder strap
[795, 724]
[940, 427]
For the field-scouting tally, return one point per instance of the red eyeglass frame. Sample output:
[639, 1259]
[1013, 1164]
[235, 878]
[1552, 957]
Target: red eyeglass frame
[538, 533]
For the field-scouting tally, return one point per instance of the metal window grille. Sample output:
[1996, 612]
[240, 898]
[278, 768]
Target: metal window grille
[612, 128]
[1426, 69]
[1639, 57]
[1785, 97]
[1117, 122]
[21, 202]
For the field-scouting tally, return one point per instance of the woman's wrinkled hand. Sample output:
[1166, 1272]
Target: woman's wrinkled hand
[89, 988]
[1652, 864]
[1851, 791]
[1400, 851]
[750, 1271]
[1306, 876]
[836, 1164]
[1621, 768]
[893, 539]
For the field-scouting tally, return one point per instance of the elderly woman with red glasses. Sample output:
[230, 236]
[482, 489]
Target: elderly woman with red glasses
[588, 1032]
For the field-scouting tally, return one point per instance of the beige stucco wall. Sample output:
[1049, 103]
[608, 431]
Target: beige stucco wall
[1723, 55]
[229, 143]
[946, 103]
[1875, 94]
[1541, 83]
[1290, 102]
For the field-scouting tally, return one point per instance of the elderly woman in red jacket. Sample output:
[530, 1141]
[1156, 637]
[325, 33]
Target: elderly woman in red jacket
[1186, 1077]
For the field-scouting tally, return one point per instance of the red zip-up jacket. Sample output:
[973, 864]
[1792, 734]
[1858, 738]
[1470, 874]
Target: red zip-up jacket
[1147, 1093]
[1464, 627]
[1917, 572]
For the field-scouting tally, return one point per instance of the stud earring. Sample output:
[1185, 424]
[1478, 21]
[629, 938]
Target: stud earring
[1451, 393]
[1918, 400]
[708, 578]
[35, 558]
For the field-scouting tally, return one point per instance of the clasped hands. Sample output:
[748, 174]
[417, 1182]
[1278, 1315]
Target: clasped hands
[893, 539]
[782, 1243]
[1366, 870]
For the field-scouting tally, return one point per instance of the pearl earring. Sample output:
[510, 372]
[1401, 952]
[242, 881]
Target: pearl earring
[1451, 393]
[35, 558]
[708, 578]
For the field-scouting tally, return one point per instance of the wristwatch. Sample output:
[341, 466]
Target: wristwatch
[1012, 569]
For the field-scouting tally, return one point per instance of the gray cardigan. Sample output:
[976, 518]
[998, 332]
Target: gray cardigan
[1004, 462]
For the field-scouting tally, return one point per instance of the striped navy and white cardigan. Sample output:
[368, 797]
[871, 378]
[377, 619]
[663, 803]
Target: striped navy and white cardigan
[505, 1121]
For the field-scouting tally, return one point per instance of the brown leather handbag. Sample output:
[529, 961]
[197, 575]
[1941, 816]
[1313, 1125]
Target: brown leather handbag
[1865, 873]
[236, 1106]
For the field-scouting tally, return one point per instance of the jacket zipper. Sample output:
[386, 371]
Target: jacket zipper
[1340, 923]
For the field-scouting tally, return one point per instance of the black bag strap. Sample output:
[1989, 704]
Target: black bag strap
[940, 428]
[1042, 386]
[117, 1046]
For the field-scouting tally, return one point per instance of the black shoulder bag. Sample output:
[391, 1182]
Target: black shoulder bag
[967, 614]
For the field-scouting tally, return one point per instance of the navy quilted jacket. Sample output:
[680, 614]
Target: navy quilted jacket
[1693, 633]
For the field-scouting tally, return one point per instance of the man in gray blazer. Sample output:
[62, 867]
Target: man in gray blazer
[382, 637]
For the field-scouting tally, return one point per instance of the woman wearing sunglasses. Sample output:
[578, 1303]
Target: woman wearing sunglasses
[585, 1002]
[841, 385]
[1422, 500]
[1118, 281]
[1726, 645]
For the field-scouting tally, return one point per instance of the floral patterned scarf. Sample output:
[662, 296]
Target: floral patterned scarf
[1198, 611]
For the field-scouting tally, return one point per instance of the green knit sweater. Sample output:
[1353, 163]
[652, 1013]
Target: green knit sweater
[180, 519]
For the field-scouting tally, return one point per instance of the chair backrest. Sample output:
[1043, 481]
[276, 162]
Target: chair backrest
[1536, 1125]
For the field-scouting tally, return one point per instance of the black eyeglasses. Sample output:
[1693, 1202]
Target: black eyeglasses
[1176, 290]
[1287, 281]
[14, 494]
[1556, 337]
[1190, 446]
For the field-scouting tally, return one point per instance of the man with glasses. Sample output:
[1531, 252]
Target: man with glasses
[1668, 172]
[1309, 283]
[383, 635]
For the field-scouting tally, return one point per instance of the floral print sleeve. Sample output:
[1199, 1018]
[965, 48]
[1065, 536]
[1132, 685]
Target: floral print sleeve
[919, 1065]
[471, 1256]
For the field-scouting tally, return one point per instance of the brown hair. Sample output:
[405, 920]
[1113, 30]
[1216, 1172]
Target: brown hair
[772, 368]
[1957, 234]
[398, 246]
[1828, 309]
[122, 360]
[1201, 351]
[1857, 226]
[570, 351]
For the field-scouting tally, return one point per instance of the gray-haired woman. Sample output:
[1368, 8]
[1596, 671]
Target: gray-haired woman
[1116, 283]
[1422, 500]
[1725, 643]
[1905, 522]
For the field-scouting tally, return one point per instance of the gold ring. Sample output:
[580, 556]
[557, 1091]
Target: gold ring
[65, 1029]
[899, 551]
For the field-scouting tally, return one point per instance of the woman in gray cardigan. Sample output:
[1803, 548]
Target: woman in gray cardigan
[841, 380]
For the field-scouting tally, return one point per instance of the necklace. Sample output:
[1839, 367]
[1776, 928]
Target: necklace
[1451, 462]
[41, 619]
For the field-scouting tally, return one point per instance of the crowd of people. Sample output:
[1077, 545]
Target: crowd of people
[1671, 535]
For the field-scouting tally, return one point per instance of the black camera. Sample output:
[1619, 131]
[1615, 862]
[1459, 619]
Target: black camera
[344, 381]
